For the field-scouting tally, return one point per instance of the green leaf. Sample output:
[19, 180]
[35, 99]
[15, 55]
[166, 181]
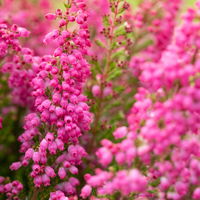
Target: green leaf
[155, 183]
[121, 10]
[120, 31]
[106, 21]
[118, 54]
[119, 89]
[114, 45]
[67, 5]
[114, 73]
[152, 191]
[100, 44]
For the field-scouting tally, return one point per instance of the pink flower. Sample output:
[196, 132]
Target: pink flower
[15, 165]
[36, 157]
[37, 181]
[50, 172]
[58, 195]
[45, 180]
[23, 32]
[73, 170]
[120, 132]
[50, 16]
[196, 194]
[62, 173]
[86, 191]
[107, 91]
[96, 90]
[105, 156]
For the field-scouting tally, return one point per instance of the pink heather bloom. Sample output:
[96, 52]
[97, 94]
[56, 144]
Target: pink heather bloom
[105, 156]
[1, 120]
[74, 181]
[107, 91]
[8, 187]
[86, 191]
[49, 137]
[73, 170]
[96, 91]
[11, 189]
[50, 16]
[66, 164]
[51, 36]
[23, 32]
[62, 173]
[120, 132]
[52, 147]
[15, 165]
[31, 77]
[59, 144]
[37, 181]
[196, 194]
[29, 153]
[36, 168]
[43, 145]
[50, 171]
[57, 195]
[45, 180]
[36, 157]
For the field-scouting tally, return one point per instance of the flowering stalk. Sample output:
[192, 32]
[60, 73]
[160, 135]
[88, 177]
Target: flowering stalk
[113, 28]
[50, 141]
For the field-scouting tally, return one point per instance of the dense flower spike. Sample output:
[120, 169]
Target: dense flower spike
[62, 114]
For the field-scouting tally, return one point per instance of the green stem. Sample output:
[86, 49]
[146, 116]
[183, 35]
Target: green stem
[35, 194]
[100, 100]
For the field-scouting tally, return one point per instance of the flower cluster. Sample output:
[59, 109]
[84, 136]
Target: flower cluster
[158, 29]
[58, 195]
[11, 189]
[16, 13]
[61, 114]
[16, 62]
[162, 139]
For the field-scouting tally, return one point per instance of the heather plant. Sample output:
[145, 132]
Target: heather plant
[16, 70]
[29, 14]
[99, 100]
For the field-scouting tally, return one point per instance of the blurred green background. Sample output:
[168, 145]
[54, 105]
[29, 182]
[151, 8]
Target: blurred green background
[186, 2]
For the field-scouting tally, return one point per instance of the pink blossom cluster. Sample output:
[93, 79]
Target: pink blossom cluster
[101, 8]
[29, 14]
[58, 195]
[61, 114]
[17, 62]
[160, 30]
[11, 189]
[161, 143]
